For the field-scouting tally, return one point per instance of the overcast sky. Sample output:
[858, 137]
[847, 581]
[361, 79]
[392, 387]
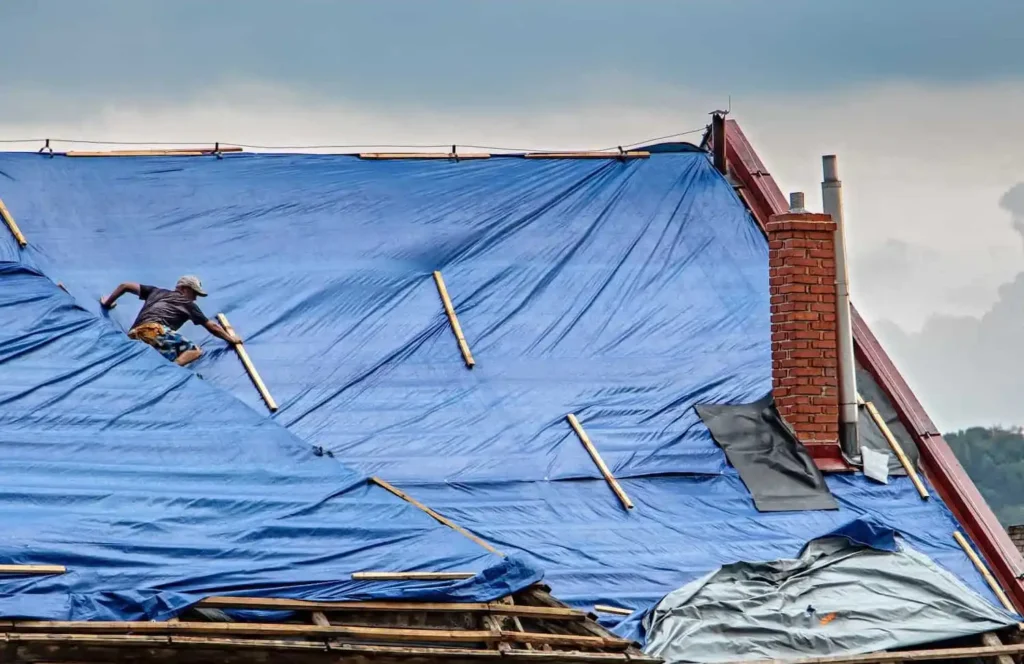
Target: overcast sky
[922, 100]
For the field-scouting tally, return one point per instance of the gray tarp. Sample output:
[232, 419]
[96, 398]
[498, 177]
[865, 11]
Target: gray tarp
[838, 598]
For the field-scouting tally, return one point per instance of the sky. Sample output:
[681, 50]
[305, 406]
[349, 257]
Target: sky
[920, 99]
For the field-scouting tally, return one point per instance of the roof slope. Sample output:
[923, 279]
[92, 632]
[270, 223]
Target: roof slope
[624, 292]
[156, 490]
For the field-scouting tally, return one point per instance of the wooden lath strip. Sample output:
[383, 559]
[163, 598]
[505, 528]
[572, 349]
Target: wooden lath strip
[411, 576]
[588, 155]
[250, 369]
[12, 225]
[612, 482]
[614, 610]
[446, 521]
[453, 320]
[896, 447]
[983, 570]
[493, 608]
[159, 152]
[358, 632]
[424, 155]
[32, 569]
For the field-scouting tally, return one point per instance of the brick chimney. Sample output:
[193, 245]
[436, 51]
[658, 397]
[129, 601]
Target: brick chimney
[802, 282]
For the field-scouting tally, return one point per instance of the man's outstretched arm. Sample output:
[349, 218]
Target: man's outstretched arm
[219, 332]
[127, 287]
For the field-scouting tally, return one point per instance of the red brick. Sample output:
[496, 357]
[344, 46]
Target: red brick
[809, 316]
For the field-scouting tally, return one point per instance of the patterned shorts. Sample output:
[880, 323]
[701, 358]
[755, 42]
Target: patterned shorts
[170, 343]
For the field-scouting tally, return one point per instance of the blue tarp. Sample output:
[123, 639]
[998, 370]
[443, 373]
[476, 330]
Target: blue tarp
[156, 489]
[623, 292]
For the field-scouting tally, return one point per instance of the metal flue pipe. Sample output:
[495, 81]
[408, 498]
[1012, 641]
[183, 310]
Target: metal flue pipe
[832, 204]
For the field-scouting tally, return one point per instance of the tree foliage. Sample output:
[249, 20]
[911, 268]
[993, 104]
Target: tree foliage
[994, 458]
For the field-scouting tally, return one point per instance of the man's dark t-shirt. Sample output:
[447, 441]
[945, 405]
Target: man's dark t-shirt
[167, 307]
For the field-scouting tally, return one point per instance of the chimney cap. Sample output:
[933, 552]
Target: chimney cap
[796, 202]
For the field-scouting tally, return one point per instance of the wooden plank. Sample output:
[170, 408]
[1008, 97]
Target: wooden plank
[604, 608]
[444, 654]
[254, 375]
[902, 656]
[262, 629]
[453, 320]
[411, 576]
[32, 569]
[539, 638]
[574, 656]
[541, 596]
[358, 632]
[424, 155]
[983, 569]
[12, 225]
[448, 522]
[136, 153]
[896, 448]
[992, 640]
[612, 482]
[156, 152]
[588, 155]
[237, 644]
[492, 608]
[156, 641]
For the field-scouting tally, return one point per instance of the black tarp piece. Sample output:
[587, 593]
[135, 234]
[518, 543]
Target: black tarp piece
[775, 467]
[870, 435]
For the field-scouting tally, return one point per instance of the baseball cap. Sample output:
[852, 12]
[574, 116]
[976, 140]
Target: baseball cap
[192, 282]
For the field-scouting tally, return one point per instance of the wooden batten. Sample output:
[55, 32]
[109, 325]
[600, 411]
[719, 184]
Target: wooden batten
[486, 608]
[454, 156]
[160, 152]
[411, 576]
[250, 368]
[356, 632]
[612, 482]
[979, 565]
[614, 610]
[12, 225]
[896, 447]
[33, 569]
[587, 155]
[453, 320]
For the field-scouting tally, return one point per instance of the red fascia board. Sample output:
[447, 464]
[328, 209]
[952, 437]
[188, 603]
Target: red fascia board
[942, 467]
[764, 198]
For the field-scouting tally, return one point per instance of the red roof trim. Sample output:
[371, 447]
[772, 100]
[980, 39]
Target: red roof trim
[764, 198]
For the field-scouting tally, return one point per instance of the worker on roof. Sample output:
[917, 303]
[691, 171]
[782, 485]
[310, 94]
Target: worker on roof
[164, 312]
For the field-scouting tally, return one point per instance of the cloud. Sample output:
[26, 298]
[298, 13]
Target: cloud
[970, 370]
[1013, 202]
